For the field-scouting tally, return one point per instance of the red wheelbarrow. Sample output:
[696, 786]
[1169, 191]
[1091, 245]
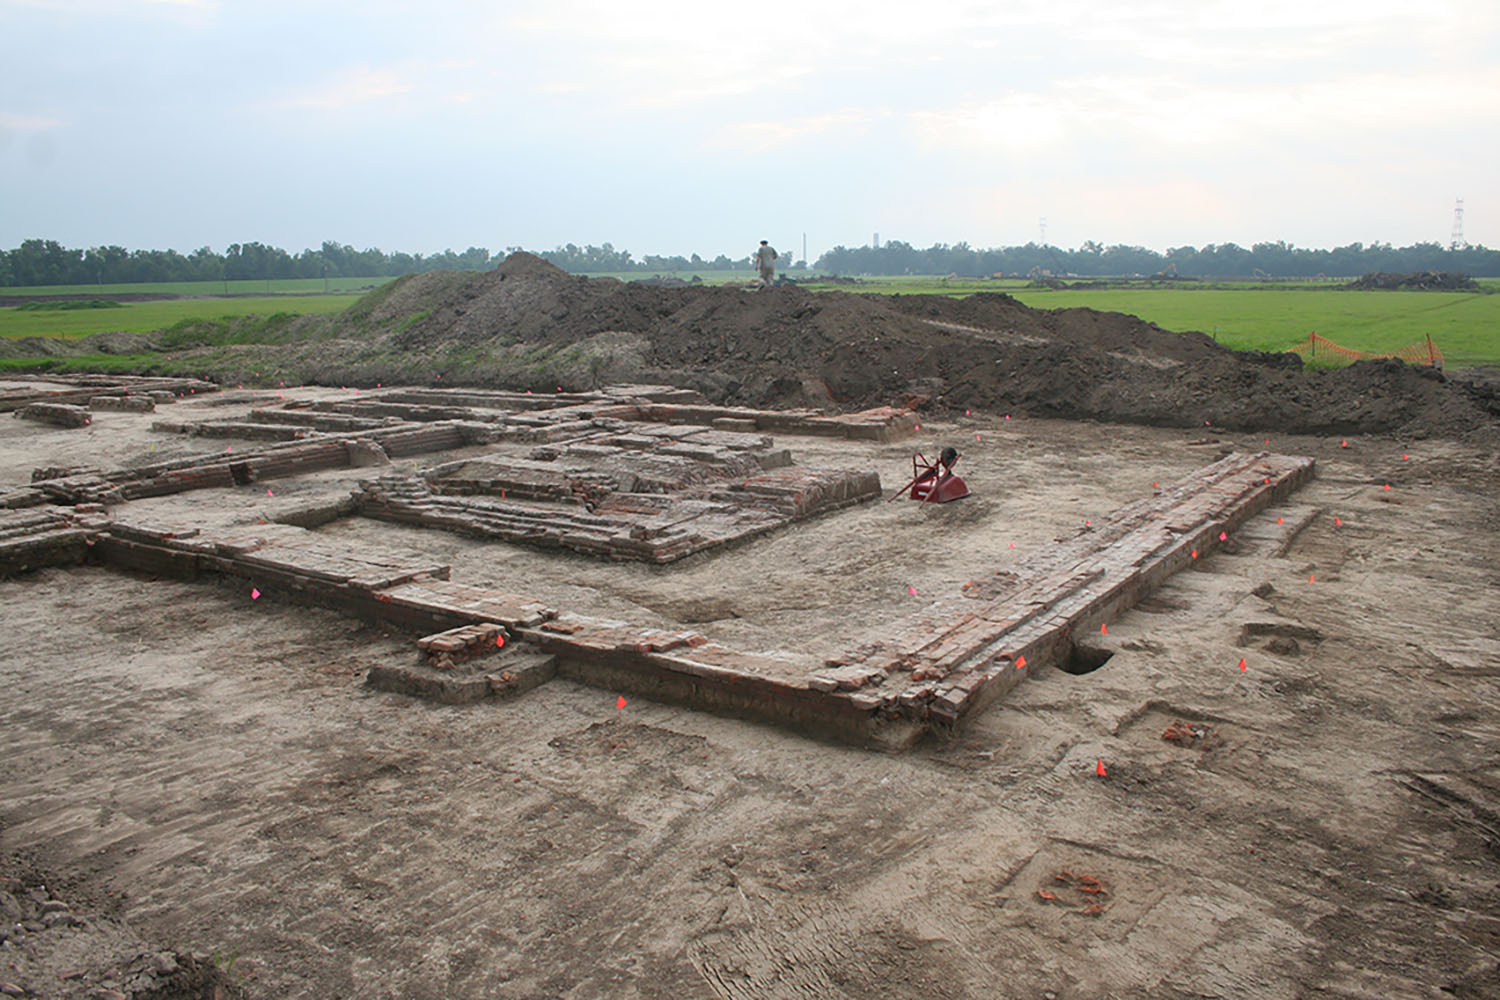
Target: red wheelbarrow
[934, 481]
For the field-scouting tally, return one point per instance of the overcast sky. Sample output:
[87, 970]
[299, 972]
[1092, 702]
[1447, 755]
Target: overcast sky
[681, 126]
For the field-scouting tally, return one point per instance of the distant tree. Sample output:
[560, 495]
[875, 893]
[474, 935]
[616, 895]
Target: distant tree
[1276, 259]
[591, 258]
[107, 264]
[1130, 260]
[309, 264]
[404, 263]
[46, 262]
[1227, 260]
[205, 265]
[475, 259]
[336, 256]
[155, 265]
[368, 263]
[1185, 259]
[658, 264]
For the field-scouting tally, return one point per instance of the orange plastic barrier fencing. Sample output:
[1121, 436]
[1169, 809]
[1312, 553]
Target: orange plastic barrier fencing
[1425, 353]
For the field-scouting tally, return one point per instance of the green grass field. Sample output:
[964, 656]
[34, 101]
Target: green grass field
[275, 286]
[147, 317]
[1464, 326]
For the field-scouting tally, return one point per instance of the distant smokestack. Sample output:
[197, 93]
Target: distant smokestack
[877, 241]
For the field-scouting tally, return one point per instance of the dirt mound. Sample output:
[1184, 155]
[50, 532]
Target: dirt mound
[96, 343]
[786, 346]
[68, 949]
[524, 300]
[1431, 281]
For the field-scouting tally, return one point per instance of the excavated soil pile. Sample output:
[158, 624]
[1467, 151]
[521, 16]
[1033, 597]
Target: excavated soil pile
[1426, 281]
[784, 346]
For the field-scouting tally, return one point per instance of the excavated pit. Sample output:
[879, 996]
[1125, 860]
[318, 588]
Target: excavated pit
[259, 721]
[635, 473]
[1084, 659]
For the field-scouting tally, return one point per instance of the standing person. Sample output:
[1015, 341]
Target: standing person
[765, 260]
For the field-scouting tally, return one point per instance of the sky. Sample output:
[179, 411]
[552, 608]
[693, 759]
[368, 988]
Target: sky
[676, 127]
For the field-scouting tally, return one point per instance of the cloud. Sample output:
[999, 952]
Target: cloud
[679, 53]
[1014, 123]
[765, 135]
[116, 8]
[352, 87]
[12, 122]
[1160, 116]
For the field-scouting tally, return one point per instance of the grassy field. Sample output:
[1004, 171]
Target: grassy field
[1465, 326]
[274, 286]
[146, 317]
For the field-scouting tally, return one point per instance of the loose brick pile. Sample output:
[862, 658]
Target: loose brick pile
[446, 649]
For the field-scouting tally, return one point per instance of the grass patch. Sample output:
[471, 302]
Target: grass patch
[413, 320]
[277, 328]
[371, 301]
[148, 317]
[115, 363]
[247, 286]
[1268, 319]
[1257, 316]
[66, 305]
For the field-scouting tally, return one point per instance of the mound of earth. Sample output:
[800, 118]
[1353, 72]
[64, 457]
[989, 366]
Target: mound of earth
[98, 343]
[1427, 281]
[69, 950]
[786, 346]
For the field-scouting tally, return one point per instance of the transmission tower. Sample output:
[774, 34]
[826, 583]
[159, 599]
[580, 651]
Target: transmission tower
[1458, 227]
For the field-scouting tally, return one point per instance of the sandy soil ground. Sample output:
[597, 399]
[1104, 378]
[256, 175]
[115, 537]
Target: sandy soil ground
[210, 771]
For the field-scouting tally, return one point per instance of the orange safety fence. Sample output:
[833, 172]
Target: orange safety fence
[1425, 353]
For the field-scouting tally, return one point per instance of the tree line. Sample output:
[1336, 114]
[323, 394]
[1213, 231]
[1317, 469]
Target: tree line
[1224, 260]
[46, 262]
